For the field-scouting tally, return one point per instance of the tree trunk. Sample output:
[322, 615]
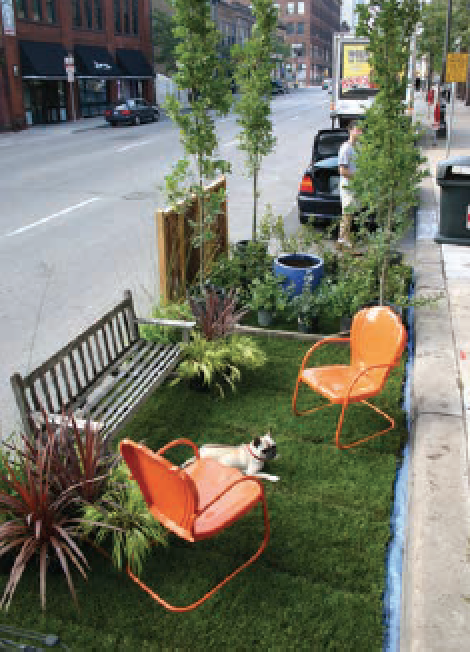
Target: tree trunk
[255, 202]
[201, 227]
[467, 94]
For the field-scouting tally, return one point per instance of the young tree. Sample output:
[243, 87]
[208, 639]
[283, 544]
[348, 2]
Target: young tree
[388, 162]
[202, 72]
[164, 40]
[253, 77]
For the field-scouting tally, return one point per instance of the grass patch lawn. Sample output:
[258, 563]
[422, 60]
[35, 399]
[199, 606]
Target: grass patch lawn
[319, 584]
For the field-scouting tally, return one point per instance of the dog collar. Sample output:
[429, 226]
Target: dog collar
[260, 459]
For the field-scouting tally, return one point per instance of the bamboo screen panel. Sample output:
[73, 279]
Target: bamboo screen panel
[178, 260]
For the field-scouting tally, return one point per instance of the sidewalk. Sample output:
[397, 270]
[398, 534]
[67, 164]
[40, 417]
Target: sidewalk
[436, 564]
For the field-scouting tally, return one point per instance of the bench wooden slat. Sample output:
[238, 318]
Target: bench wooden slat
[55, 382]
[91, 355]
[113, 338]
[120, 335]
[106, 345]
[84, 364]
[74, 369]
[47, 396]
[119, 392]
[65, 376]
[34, 397]
[96, 340]
[134, 399]
[137, 355]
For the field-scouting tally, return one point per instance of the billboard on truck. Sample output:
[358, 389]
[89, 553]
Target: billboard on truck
[355, 73]
[353, 85]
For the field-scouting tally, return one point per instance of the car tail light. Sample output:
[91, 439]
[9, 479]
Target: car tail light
[125, 112]
[306, 185]
[107, 112]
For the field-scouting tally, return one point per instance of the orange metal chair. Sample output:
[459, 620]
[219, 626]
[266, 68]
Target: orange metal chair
[196, 502]
[377, 341]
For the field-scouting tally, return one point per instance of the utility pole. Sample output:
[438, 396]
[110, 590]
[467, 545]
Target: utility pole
[446, 42]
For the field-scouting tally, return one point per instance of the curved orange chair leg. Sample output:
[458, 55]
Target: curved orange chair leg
[361, 441]
[300, 413]
[196, 604]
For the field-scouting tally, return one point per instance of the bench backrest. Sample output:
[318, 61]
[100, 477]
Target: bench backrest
[66, 379]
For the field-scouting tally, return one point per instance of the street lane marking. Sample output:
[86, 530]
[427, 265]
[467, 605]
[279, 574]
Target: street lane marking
[126, 147]
[54, 216]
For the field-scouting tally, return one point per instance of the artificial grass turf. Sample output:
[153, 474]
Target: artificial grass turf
[319, 583]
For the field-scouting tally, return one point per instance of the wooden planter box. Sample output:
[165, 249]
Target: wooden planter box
[178, 260]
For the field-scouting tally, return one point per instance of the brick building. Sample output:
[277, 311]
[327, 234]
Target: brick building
[110, 41]
[309, 32]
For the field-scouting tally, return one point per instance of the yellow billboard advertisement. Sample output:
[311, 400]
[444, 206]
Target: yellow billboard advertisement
[356, 71]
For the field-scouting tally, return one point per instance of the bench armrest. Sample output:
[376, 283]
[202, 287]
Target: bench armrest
[172, 323]
[185, 326]
[59, 420]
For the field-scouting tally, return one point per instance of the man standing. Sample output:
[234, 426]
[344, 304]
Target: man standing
[347, 168]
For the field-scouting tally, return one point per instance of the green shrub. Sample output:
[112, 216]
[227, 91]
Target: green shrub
[169, 310]
[122, 515]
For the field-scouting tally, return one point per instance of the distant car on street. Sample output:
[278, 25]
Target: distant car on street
[326, 86]
[277, 87]
[132, 112]
[318, 195]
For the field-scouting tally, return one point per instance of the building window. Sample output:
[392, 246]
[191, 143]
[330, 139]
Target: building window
[290, 28]
[300, 28]
[98, 15]
[117, 16]
[37, 10]
[50, 11]
[290, 7]
[127, 21]
[301, 7]
[88, 13]
[21, 9]
[135, 16]
[76, 16]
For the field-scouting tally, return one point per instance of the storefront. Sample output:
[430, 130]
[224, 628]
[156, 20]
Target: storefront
[136, 73]
[44, 79]
[95, 72]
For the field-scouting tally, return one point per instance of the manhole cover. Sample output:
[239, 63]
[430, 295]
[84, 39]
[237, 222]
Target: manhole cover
[139, 195]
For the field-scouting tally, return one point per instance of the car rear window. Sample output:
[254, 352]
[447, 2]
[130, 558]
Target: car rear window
[329, 144]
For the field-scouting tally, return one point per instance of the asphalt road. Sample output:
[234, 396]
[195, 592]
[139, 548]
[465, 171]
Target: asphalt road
[77, 220]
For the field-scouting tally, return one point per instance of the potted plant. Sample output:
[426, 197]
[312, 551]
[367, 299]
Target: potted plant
[218, 362]
[293, 258]
[268, 297]
[214, 356]
[307, 306]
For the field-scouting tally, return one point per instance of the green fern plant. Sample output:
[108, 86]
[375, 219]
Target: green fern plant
[122, 515]
[215, 362]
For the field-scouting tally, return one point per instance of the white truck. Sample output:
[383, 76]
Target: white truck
[353, 91]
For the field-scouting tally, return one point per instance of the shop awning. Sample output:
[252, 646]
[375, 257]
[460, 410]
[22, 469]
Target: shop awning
[95, 62]
[134, 64]
[42, 60]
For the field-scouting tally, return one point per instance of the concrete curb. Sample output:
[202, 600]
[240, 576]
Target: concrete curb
[436, 573]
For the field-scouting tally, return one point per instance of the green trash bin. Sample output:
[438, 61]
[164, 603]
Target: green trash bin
[454, 220]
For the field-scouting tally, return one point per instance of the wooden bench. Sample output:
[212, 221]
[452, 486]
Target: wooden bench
[103, 375]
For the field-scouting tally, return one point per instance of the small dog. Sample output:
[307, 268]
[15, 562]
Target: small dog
[249, 458]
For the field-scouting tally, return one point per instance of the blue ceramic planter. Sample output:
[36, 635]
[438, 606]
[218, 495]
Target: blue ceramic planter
[295, 266]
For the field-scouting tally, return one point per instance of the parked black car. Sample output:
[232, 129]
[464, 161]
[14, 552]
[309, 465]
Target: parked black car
[319, 189]
[133, 112]
[277, 87]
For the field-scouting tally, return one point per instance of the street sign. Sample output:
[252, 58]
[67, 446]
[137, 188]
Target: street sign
[456, 67]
